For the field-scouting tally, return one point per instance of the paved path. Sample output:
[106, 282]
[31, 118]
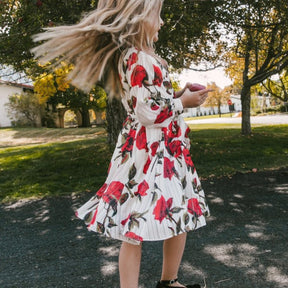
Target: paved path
[266, 120]
[244, 245]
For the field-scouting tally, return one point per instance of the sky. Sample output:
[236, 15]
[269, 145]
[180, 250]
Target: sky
[217, 76]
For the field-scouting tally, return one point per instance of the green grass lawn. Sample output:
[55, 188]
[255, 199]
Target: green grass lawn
[63, 161]
[222, 150]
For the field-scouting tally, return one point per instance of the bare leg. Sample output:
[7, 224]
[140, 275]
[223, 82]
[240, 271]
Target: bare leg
[129, 265]
[173, 249]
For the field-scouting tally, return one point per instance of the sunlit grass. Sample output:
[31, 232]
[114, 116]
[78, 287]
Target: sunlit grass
[225, 151]
[54, 167]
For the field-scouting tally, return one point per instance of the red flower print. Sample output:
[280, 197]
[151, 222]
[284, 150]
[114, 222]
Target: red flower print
[128, 145]
[174, 148]
[162, 209]
[174, 130]
[123, 222]
[141, 140]
[134, 101]
[187, 157]
[194, 207]
[142, 188]
[100, 192]
[195, 185]
[164, 130]
[133, 236]
[113, 192]
[154, 106]
[187, 132]
[146, 166]
[133, 58]
[168, 85]
[138, 76]
[94, 218]
[154, 146]
[163, 115]
[169, 169]
[158, 78]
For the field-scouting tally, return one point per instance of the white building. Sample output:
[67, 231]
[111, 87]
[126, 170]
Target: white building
[7, 89]
[204, 111]
[259, 102]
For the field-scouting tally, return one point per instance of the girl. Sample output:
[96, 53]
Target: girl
[152, 191]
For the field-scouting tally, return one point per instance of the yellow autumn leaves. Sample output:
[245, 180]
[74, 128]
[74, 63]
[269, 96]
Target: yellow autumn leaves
[48, 84]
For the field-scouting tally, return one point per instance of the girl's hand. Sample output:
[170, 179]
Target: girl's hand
[188, 85]
[180, 93]
[194, 99]
[193, 87]
[196, 87]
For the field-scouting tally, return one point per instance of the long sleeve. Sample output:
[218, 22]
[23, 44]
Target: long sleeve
[150, 90]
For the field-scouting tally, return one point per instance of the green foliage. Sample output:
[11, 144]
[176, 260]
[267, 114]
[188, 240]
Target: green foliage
[181, 41]
[250, 35]
[278, 88]
[54, 87]
[24, 109]
[185, 38]
[20, 19]
[259, 46]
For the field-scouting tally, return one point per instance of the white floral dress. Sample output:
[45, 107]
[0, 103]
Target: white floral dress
[152, 191]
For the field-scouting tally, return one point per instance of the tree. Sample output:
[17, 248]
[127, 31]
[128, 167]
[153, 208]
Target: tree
[185, 40]
[54, 88]
[261, 32]
[20, 19]
[25, 109]
[278, 88]
[195, 31]
[27, 18]
[218, 97]
[179, 41]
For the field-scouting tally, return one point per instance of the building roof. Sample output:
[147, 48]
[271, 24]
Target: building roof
[14, 84]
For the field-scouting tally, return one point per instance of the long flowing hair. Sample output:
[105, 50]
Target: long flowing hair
[96, 44]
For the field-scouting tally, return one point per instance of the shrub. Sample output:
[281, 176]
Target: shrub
[25, 110]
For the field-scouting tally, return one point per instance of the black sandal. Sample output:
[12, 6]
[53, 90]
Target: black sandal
[167, 283]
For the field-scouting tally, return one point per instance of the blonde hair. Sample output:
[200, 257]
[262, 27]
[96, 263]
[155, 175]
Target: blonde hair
[96, 44]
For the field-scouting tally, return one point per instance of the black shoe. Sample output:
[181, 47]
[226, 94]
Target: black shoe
[167, 283]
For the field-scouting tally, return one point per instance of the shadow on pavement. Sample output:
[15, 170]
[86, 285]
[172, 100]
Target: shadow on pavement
[243, 245]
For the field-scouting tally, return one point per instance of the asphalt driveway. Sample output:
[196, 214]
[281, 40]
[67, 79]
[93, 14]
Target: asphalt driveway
[243, 245]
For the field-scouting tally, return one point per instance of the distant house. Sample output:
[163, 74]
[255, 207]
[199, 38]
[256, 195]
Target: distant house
[204, 111]
[260, 102]
[7, 89]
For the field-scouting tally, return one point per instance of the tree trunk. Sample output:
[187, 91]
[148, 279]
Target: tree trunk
[219, 110]
[85, 117]
[60, 119]
[115, 116]
[245, 102]
[78, 117]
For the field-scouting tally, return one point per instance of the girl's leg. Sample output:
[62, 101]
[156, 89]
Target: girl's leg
[173, 249]
[129, 265]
